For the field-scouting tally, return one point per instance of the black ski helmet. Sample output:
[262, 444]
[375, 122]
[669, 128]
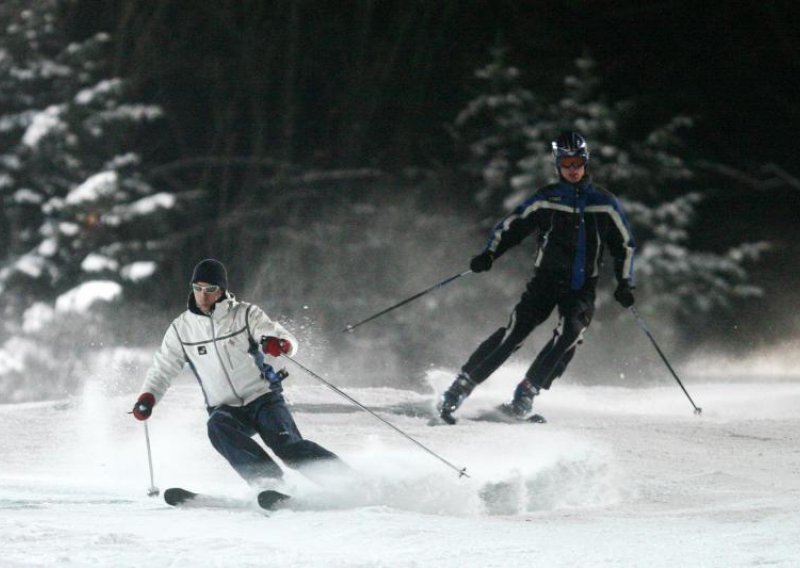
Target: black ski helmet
[570, 143]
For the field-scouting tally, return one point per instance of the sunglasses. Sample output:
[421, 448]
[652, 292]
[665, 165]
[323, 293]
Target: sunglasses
[572, 162]
[206, 289]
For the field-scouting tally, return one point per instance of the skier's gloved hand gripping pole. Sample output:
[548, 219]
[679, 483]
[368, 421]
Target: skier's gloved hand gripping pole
[461, 471]
[351, 327]
[697, 409]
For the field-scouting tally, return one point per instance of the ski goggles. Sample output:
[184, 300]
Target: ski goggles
[571, 162]
[205, 289]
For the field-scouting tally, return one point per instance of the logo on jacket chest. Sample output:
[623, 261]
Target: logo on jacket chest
[202, 350]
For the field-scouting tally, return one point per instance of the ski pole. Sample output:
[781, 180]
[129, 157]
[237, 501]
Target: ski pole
[351, 327]
[153, 490]
[697, 409]
[461, 471]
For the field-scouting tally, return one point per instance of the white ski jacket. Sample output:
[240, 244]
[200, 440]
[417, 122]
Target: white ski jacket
[222, 349]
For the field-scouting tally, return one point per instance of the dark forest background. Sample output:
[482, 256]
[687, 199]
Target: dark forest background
[339, 156]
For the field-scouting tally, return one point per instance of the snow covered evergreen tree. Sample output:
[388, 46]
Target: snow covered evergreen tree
[494, 126]
[659, 189]
[80, 221]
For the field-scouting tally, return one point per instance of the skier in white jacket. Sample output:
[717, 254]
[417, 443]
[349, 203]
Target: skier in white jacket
[228, 345]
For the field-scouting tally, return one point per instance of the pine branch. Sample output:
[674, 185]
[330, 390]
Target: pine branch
[779, 178]
[789, 179]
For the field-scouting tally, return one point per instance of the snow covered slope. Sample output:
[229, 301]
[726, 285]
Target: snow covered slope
[618, 477]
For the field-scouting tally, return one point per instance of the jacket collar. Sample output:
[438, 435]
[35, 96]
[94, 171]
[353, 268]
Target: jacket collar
[585, 184]
[218, 307]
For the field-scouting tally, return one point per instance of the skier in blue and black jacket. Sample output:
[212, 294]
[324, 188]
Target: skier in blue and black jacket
[574, 220]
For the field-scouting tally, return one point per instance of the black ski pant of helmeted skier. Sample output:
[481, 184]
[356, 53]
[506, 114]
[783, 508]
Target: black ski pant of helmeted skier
[542, 295]
[231, 430]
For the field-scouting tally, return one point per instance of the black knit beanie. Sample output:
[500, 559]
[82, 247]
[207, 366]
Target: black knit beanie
[211, 271]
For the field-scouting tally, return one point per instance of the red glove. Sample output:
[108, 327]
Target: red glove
[275, 346]
[144, 406]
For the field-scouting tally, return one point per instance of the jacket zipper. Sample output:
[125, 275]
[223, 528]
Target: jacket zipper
[576, 234]
[219, 356]
[227, 351]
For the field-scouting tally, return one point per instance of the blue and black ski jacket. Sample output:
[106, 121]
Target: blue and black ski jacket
[574, 223]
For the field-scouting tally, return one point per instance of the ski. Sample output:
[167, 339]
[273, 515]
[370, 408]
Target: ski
[179, 497]
[176, 496]
[270, 499]
[508, 414]
[499, 414]
[440, 419]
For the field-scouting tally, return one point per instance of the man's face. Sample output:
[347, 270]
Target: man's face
[206, 295]
[572, 168]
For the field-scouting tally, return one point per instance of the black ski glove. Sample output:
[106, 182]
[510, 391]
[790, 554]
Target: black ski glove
[482, 262]
[624, 294]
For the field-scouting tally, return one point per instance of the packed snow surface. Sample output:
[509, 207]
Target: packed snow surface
[617, 477]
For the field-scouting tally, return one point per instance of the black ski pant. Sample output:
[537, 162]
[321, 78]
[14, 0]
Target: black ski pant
[231, 430]
[542, 295]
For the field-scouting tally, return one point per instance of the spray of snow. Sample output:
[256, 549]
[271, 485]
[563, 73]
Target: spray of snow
[776, 361]
[618, 477]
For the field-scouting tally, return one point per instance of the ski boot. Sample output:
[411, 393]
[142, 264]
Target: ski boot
[522, 403]
[454, 396]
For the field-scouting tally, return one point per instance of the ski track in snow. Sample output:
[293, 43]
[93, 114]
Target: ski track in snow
[617, 477]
